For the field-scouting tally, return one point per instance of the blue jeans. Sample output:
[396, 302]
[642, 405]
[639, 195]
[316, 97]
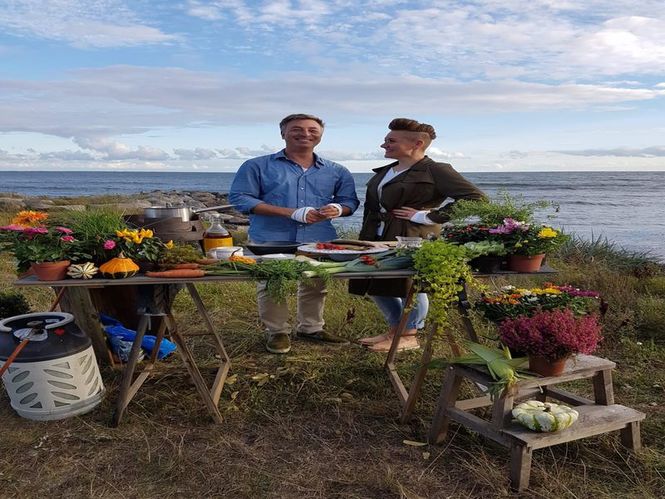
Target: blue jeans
[392, 306]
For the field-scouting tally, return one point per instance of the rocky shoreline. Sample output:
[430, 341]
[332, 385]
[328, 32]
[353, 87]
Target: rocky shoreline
[132, 204]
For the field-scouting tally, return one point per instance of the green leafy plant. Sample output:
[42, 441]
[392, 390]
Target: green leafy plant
[93, 227]
[484, 248]
[441, 268]
[494, 211]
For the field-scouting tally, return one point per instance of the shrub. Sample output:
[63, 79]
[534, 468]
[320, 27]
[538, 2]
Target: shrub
[13, 303]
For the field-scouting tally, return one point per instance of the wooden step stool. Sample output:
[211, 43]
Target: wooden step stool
[597, 416]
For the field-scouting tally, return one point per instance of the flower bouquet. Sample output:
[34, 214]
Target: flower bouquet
[549, 337]
[511, 302]
[139, 245]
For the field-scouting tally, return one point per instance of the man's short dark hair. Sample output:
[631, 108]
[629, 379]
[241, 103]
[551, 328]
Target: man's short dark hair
[293, 117]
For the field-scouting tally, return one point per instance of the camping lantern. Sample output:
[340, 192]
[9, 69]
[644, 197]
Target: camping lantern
[56, 374]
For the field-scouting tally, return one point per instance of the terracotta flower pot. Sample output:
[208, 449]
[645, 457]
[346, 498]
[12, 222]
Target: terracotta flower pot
[50, 271]
[525, 263]
[546, 367]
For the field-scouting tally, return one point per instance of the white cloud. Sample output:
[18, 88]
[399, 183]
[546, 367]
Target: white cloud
[81, 23]
[196, 153]
[113, 150]
[129, 100]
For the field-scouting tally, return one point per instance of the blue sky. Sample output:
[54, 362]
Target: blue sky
[196, 85]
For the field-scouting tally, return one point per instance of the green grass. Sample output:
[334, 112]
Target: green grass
[323, 421]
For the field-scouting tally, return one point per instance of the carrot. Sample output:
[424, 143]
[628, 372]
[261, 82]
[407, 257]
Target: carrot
[177, 273]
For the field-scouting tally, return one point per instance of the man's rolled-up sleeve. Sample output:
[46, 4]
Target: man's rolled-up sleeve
[345, 193]
[246, 188]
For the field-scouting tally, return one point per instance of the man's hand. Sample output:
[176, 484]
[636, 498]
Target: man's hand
[307, 215]
[332, 210]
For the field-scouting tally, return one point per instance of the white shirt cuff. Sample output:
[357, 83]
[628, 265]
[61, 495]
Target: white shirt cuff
[338, 207]
[420, 217]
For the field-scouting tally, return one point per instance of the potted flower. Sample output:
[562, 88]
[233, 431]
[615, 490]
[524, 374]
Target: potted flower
[550, 337]
[511, 302]
[527, 244]
[47, 250]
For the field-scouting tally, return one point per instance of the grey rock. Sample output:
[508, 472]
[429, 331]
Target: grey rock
[11, 204]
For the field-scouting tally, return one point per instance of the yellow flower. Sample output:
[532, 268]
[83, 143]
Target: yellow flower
[547, 233]
[169, 245]
[146, 233]
[29, 218]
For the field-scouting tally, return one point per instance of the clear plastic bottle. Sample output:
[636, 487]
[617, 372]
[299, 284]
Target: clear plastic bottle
[216, 235]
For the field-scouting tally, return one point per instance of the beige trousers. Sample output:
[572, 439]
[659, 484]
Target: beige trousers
[275, 316]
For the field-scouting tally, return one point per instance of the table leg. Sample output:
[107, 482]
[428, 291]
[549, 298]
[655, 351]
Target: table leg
[126, 385]
[194, 372]
[225, 360]
[630, 436]
[447, 398]
[419, 378]
[602, 388]
[389, 365]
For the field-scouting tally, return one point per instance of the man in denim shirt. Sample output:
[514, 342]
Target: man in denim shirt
[293, 195]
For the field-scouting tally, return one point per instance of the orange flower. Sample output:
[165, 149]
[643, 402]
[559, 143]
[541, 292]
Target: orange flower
[29, 218]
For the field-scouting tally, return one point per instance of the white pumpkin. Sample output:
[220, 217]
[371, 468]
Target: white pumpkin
[82, 270]
[544, 416]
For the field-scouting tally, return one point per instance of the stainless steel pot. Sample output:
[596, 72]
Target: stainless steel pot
[184, 213]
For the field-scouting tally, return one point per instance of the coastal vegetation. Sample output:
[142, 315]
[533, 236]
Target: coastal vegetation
[323, 422]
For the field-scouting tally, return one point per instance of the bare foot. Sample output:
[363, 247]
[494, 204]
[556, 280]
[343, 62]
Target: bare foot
[407, 342]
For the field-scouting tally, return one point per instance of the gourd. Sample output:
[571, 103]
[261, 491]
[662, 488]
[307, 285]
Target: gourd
[544, 416]
[119, 267]
[85, 270]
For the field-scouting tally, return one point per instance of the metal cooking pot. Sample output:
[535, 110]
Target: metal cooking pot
[184, 213]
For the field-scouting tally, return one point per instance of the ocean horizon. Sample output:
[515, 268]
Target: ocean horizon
[625, 207]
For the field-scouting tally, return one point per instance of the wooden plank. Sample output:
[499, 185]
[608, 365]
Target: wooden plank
[520, 467]
[593, 420]
[602, 387]
[419, 377]
[478, 425]
[567, 397]
[630, 436]
[398, 385]
[447, 396]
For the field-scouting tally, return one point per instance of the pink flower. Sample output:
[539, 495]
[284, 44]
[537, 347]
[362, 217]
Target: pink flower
[64, 230]
[109, 244]
[13, 227]
[32, 231]
[67, 239]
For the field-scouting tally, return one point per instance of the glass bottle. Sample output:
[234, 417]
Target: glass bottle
[216, 235]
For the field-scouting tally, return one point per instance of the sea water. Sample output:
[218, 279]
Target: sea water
[627, 208]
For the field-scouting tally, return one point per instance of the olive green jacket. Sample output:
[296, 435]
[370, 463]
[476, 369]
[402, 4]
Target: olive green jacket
[426, 185]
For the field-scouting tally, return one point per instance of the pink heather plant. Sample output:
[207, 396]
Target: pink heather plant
[553, 334]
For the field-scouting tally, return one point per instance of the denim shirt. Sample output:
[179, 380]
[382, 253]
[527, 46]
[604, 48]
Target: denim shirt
[275, 179]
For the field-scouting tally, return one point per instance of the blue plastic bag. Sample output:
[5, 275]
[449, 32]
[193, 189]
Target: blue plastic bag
[120, 335]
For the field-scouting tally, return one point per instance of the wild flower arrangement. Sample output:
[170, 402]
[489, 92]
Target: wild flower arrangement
[511, 302]
[553, 334]
[521, 238]
[30, 240]
[137, 244]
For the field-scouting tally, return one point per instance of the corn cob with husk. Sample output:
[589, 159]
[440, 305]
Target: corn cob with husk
[501, 366]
